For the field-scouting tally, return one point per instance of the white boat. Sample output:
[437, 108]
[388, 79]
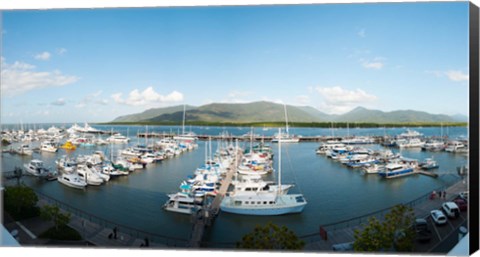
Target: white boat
[324, 147]
[285, 137]
[410, 134]
[90, 177]
[48, 146]
[25, 149]
[118, 138]
[410, 143]
[359, 140]
[36, 168]
[182, 203]
[72, 180]
[454, 146]
[394, 170]
[373, 168]
[264, 202]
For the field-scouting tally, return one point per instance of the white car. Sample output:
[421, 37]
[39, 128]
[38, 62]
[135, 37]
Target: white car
[464, 195]
[438, 217]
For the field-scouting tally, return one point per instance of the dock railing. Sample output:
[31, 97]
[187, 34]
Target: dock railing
[133, 232]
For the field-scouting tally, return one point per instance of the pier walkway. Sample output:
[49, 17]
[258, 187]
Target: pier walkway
[343, 232]
[207, 216]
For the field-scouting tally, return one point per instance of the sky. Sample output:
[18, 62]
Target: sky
[94, 65]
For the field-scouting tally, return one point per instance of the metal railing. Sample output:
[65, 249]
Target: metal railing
[133, 232]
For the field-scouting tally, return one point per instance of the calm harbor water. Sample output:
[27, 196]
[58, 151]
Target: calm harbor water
[333, 191]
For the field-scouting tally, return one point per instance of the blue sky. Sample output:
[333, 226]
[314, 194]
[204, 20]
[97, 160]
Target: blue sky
[94, 65]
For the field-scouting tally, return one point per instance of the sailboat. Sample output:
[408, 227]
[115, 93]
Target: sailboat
[265, 203]
[190, 136]
[285, 137]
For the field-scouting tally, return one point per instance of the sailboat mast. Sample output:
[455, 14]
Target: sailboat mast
[183, 123]
[279, 164]
[286, 119]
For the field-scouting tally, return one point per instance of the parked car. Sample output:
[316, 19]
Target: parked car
[344, 247]
[423, 233]
[464, 195]
[461, 203]
[438, 217]
[451, 209]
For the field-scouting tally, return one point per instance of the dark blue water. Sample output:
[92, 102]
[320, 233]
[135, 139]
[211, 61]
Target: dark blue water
[333, 191]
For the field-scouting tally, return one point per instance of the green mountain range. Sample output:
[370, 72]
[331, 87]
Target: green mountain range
[272, 112]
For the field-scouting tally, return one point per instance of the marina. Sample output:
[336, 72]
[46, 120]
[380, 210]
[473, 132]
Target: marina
[323, 182]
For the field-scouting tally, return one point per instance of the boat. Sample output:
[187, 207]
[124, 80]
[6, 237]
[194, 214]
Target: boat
[182, 203]
[190, 136]
[324, 147]
[358, 140]
[285, 137]
[264, 203]
[36, 168]
[454, 146]
[68, 146]
[72, 180]
[394, 170]
[48, 146]
[428, 164]
[410, 134]
[118, 138]
[25, 149]
[410, 143]
[433, 145]
[372, 168]
[90, 177]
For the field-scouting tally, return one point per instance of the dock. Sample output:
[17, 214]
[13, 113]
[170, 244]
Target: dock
[207, 216]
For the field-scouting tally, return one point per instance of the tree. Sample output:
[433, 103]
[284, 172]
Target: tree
[53, 213]
[271, 236]
[395, 232]
[20, 201]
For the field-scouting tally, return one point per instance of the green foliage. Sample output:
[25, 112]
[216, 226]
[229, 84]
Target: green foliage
[62, 233]
[271, 237]
[53, 213]
[20, 202]
[395, 232]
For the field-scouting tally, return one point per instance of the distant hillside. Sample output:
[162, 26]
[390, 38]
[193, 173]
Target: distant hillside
[361, 114]
[152, 113]
[271, 112]
[241, 113]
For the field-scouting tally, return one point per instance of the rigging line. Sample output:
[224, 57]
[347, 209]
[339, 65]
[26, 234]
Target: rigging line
[294, 172]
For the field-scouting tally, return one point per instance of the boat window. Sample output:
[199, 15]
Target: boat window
[238, 203]
[259, 202]
[265, 202]
[246, 202]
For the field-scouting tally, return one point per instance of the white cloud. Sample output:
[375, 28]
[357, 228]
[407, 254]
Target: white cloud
[339, 100]
[455, 75]
[361, 33]
[93, 98]
[20, 77]
[302, 99]
[61, 51]
[59, 102]
[45, 56]
[377, 63]
[147, 97]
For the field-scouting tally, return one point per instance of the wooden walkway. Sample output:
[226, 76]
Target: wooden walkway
[207, 216]
[346, 235]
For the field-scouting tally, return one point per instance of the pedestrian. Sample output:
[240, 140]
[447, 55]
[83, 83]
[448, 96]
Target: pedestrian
[439, 194]
[444, 195]
[115, 232]
[433, 195]
[146, 242]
